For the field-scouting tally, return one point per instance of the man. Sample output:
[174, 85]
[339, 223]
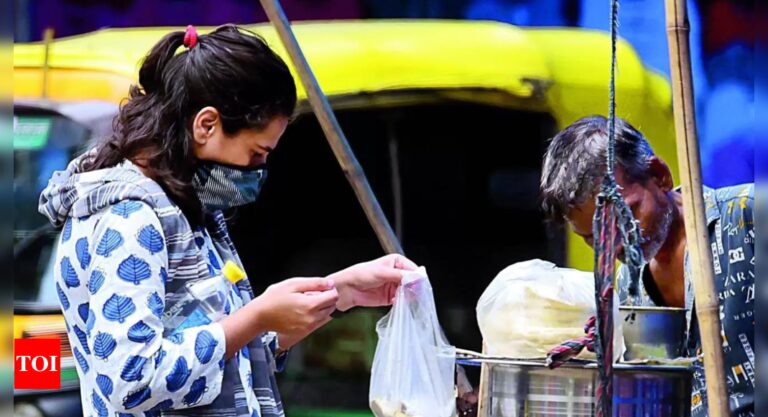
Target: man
[574, 166]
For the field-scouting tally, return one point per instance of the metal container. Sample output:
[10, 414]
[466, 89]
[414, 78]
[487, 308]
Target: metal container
[653, 332]
[529, 389]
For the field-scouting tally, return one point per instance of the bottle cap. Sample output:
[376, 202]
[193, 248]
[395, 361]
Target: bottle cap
[232, 272]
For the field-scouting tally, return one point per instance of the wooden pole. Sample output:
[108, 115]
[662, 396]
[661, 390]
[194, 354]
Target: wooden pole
[47, 40]
[697, 238]
[332, 130]
[483, 396]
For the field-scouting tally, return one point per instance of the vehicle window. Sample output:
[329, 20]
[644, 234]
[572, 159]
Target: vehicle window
[43, 143]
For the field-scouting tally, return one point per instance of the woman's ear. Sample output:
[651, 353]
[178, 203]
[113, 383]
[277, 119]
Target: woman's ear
[207, 121]
[660, 173]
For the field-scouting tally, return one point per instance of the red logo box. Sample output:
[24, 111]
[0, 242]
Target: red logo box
[37, 363]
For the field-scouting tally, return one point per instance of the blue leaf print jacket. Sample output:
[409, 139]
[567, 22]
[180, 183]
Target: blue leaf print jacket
[124, 252]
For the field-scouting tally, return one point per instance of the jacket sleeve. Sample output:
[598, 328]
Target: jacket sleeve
[277, 360]
[135, 367]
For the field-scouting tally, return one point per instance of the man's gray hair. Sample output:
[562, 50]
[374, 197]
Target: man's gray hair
[574, 163]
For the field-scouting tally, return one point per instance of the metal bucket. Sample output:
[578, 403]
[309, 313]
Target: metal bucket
[529, 389]
[653, 332]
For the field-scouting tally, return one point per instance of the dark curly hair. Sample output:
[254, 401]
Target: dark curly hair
[230, 69]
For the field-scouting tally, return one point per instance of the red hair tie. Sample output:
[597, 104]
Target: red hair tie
[190, 37]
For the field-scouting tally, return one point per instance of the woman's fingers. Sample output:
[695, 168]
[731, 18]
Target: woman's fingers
[325, 314]
[401, 262]
[388, 275]
[392, 293]
[324, 300]
[310, 284]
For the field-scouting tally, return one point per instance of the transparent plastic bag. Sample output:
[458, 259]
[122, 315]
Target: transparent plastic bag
[533, 306]
[414, 366]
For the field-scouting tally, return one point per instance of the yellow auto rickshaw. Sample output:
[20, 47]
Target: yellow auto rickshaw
[449, 120]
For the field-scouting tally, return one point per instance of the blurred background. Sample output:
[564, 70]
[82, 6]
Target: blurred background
[455, 164]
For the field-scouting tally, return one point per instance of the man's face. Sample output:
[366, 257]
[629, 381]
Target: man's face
[650, 205]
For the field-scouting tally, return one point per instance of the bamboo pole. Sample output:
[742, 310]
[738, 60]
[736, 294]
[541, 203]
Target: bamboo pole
[483, 394]
[707, 306]
[47, 40]
[332, 130]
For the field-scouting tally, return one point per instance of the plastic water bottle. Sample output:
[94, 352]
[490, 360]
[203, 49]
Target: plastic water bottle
[203, 301]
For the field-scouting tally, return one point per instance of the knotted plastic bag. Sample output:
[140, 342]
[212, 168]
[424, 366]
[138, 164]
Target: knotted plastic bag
[533, 306]
[414, 366]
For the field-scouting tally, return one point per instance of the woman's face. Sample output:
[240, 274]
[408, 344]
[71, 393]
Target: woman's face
[247, 148]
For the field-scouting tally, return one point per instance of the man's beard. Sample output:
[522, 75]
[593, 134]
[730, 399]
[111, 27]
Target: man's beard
[652, 244]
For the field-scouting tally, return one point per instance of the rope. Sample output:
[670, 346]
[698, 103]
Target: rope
[612, 94]
[605, 258]
[628, 226]
[612, 216]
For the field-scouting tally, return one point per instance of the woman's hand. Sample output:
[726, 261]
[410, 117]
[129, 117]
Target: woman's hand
[371, 284]
[296, 305]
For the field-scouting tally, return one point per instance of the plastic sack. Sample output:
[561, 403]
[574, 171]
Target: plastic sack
[533, 306]
[414, 365]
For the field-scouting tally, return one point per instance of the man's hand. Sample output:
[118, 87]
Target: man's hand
[371, 284]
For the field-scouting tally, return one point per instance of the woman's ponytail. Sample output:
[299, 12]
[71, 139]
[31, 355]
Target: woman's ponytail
[156, 62]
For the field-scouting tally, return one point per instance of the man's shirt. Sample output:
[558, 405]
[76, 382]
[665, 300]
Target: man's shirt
[732, 241]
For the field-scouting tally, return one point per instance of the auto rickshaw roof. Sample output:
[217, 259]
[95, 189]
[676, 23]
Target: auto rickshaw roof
[348, 58]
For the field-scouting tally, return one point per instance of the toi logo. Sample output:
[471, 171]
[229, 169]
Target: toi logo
[37, 363]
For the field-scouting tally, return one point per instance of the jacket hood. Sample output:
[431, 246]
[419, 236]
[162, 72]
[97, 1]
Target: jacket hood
[73, 193]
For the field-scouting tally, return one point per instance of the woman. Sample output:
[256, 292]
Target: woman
[141, 216]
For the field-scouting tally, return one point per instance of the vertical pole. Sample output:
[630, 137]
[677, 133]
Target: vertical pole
[697, 238]
[47, 40]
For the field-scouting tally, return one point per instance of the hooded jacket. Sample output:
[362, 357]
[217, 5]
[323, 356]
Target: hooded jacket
[123, 258]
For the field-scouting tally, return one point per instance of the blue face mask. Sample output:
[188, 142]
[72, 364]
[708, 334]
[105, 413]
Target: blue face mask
[222, 187]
